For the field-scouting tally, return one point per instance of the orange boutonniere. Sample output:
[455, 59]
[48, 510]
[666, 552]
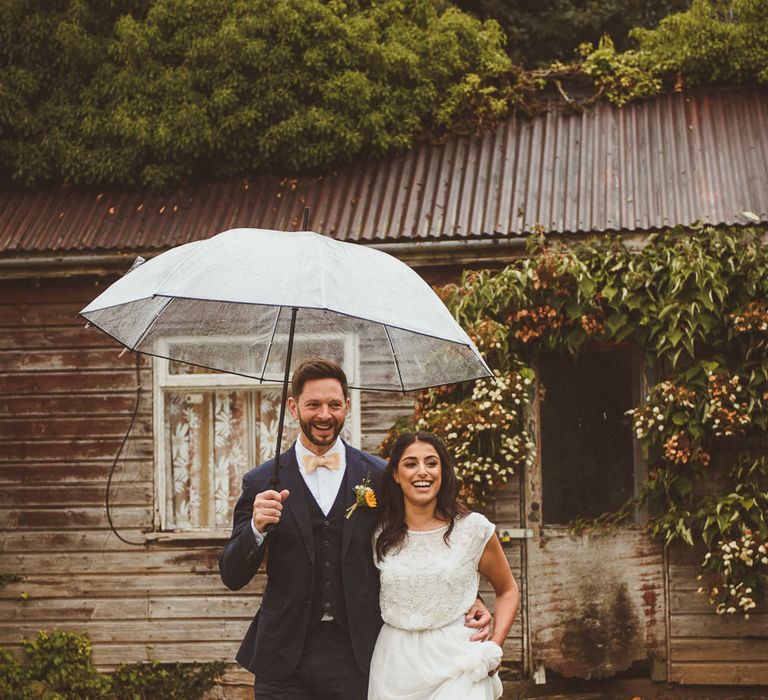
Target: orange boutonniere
[364, 497]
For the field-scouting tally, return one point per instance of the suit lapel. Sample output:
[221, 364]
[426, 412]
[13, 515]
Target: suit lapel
[354, 476]
[297, 504]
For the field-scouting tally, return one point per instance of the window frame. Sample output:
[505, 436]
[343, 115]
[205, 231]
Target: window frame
[164, 381]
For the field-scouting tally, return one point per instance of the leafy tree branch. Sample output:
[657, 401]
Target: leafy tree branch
[152, 93]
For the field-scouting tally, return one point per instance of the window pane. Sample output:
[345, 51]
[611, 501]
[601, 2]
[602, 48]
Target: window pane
[269, 415]
[214, 437]
[231, 454]
[587, 458]
[187, 418]
[209, 453]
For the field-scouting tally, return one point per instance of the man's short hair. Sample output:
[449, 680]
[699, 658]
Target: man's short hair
[317, 368]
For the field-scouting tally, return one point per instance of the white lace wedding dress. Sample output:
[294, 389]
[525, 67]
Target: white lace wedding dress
[423, 651]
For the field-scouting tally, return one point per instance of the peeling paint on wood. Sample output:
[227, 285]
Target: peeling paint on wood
[596, 602]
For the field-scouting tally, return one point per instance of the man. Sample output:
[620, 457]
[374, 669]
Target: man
[314, 633]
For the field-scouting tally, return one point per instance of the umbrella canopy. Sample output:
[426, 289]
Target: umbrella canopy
[235, 302]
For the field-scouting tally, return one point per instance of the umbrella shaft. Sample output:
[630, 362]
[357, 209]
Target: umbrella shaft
[274, 480]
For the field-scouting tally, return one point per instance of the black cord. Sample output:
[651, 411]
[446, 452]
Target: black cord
[119, 452]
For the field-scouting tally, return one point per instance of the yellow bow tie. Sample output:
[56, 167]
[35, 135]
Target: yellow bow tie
[331, 461]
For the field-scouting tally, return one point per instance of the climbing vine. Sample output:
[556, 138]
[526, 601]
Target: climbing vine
[693, 301]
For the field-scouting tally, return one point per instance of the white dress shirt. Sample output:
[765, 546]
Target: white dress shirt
[323, 483]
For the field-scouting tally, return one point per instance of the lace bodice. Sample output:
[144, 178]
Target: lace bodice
[425, 583]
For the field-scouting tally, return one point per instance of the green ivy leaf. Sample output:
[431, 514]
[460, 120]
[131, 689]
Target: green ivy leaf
[674, 336]
[615, 322]
[587, 287]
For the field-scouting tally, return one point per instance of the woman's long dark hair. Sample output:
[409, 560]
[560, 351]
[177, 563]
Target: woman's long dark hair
[392, 508]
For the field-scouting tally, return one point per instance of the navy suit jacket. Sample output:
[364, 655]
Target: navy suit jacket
[275, 639]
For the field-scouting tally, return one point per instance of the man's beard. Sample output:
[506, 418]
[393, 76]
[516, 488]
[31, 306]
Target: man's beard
[306, 428]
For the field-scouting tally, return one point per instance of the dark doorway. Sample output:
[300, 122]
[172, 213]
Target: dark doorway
[587, 451]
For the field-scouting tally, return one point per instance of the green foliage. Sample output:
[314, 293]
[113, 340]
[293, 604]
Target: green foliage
[542, 31]
[172, 681]
[58, 666]
[706, 42]
[50, 52]
[154, 92]
[735, 529]
[694, 303]
[619, 76]
[11, 676]
[713, 42]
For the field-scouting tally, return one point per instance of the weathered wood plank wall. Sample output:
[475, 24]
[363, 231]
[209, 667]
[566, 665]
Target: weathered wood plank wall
[707, 648]
[66, 399]
[505, 513]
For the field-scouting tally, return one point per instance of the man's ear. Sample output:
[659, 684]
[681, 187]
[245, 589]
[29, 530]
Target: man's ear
[293, 407]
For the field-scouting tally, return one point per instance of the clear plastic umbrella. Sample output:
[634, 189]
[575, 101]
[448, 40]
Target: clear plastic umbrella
[240, 302]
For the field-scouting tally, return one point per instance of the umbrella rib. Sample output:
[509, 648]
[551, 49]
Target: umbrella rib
[271, 340]
[394, 357]
[140, 339]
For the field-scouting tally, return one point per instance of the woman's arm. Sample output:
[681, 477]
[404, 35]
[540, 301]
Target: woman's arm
[494, 566]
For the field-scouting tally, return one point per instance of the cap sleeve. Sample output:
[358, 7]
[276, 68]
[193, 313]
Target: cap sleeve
[479, 530]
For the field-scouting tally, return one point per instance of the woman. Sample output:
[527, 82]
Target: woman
[430, 551]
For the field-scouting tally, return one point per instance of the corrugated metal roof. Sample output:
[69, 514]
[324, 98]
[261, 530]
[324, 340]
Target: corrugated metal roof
[673, 160]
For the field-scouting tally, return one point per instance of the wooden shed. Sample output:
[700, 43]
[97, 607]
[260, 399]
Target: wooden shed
[593, 606]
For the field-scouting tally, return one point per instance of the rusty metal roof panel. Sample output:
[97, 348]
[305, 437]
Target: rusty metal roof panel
[673, 160]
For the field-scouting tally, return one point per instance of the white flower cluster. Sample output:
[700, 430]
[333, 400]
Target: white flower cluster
[747, 324]
[661, 401]
[485, 432]
[753, 318]
[736, 555]
[646, 419]
[491, 471]
[728, 409]
[501, 387]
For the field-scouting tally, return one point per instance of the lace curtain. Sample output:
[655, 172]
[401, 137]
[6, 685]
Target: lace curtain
[214, 438]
